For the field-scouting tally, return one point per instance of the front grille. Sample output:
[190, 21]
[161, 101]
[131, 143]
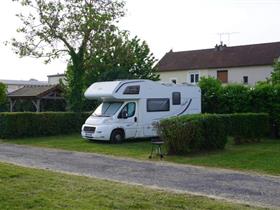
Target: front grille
[89, 129]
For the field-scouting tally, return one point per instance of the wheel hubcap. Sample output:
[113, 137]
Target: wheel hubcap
[118, 137]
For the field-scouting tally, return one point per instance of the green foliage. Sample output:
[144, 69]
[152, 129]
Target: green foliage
[266, 98]
[18, 125]
[53, 29]
[210, 92]
[122, 58]
[234, 98]
[115, 56]
[190, 133]
[3, 97]
[275, 75]
[26, 105]
[247, 127]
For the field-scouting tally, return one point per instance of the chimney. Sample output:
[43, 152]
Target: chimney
[220, 47]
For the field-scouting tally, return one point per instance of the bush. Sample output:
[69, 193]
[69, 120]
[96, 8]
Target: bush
[234, 98]
[210, 94]
[247, 127]
[191, 133]
[3, 97]
[266, 98]
[18, 125]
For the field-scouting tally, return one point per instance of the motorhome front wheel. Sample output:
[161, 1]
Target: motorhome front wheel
[117, 136]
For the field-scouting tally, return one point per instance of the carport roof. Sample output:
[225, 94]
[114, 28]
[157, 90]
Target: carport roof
[35, 91]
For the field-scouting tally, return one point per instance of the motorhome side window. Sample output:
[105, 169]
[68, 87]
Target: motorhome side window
[130, 90]
[176, 98]
[158, 104]
[128, 109]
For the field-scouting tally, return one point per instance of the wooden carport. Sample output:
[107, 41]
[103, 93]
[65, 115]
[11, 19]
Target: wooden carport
[35, 94]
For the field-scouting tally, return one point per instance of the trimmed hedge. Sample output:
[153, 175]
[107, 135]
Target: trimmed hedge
[191, 133]
[28, 124]
[247, 127]
[237, 98]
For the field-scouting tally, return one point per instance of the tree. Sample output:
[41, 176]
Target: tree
[210, 94]
[275, 75]
[3, 97]
[57, 28]
[119, 57]
[115, 56]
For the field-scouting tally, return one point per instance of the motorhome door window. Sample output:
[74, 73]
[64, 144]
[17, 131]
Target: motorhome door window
[129, 109]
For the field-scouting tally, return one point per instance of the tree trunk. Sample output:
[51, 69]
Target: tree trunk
[76, 84]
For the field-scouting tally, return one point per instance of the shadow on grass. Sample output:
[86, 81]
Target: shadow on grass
[126, 141]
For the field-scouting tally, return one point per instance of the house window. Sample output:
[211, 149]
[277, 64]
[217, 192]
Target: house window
[222, 76]
[158, 104]
[176, 98]
[245, 80]
[194, 78]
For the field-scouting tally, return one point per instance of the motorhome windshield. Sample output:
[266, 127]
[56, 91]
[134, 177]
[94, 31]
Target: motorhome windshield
[107, 109]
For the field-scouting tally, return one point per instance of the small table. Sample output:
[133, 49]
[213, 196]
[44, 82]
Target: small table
[156, 145]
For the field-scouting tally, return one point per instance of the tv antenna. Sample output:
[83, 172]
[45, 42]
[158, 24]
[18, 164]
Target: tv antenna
[228, 34]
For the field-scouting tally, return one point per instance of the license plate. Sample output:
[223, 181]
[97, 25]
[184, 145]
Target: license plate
[88, 134]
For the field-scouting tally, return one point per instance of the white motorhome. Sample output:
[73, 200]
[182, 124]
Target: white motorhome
[131, 108]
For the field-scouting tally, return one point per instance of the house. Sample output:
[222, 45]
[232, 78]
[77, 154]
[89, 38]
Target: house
[245, 64]
[13, 85]
[56, 78]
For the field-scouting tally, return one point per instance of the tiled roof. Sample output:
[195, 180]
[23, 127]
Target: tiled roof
[238, 56]
[32, 91]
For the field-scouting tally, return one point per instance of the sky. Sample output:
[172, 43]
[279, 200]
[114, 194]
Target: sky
[164, 24]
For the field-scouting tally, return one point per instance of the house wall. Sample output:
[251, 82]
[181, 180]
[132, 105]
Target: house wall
[235, 75]
[13, 87]
[254, 73]
[53, 80]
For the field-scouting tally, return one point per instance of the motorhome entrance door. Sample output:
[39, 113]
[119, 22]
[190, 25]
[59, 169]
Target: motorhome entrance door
[128, 119]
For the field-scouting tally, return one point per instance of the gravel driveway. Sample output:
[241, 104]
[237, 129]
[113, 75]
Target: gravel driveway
[232, 185]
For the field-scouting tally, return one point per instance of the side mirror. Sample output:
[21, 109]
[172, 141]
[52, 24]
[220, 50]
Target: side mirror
[124, 114]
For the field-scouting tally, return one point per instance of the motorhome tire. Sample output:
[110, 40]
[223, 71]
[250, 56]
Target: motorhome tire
[117, 136]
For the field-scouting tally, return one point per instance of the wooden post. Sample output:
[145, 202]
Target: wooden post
[12, 104]
[37, 104]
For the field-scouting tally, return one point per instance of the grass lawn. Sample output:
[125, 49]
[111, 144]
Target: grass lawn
[261, 157]
[23, 188]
